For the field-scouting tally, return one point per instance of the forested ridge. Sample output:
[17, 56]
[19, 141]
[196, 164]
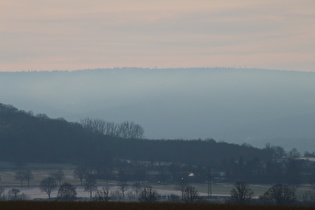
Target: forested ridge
[28, 137]
[25, 137]
[227, 104]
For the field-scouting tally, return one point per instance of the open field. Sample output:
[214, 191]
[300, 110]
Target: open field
[219, 189]
[40, 171]
[28, 205]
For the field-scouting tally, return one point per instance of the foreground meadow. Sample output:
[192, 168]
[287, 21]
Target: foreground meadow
[36, 205]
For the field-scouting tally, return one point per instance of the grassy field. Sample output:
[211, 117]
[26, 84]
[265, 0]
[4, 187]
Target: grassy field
[218, 189]
[40, 171]
[32, 205]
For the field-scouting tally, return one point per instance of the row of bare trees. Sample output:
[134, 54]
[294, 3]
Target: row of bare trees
[128, 130]
[88, 181]
[27, 175]
[66, 190]
[12, 194]
[278, 194]
[24, 175]
[189, 194]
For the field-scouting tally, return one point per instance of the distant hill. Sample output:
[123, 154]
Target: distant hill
[28, 138]
[254, 106]
[25, 137]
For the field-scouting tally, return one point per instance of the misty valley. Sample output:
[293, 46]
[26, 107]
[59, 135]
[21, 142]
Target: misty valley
[104, 161]
[222, 136]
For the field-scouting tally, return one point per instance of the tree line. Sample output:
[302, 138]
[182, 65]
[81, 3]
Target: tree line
[25, 137]
[126, 130]
[241, 193]
[278, 194]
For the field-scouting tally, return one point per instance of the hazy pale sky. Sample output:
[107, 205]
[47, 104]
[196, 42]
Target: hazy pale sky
[80, 34]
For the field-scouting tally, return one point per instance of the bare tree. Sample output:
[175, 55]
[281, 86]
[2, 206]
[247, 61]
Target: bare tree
[241, 193]
[110, 129]
[102, 195]
[58, 175]
[80, 172]
[191, 194]
[94, 125]
[116, 195]
[294, 153]
[24, 175]
[47, 185]
[90, 184]
[276, 151]
[123, 186]
[13, 193]
[173, 198]
[137, 188]
[279, 195]
[131, 195]
[181, 186]
[129, 130]
[148, 194]
[28, 175]
[20, 175]
[67, 192]
[2, 189]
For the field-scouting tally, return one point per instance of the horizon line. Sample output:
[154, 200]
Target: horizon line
[154, 68]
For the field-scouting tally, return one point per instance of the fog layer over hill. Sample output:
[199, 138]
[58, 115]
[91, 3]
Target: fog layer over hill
[234, 105]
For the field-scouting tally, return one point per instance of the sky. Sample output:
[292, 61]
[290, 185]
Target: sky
[78, 34]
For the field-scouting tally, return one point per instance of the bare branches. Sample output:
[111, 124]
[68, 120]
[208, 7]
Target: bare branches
[47, 185]
[67, 192]
[148, 194]
[241, 193]
[24, 175]
[128, 130]
[103, 194]
[190, 195]
[58, 175]
[90, 184]
[80, 172]
[279, 195]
